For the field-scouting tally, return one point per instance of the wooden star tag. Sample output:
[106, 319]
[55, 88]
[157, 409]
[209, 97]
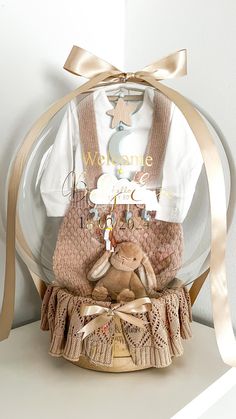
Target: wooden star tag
[122, 112]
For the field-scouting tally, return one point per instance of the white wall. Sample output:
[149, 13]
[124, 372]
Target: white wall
[35, 38]
[207, 29]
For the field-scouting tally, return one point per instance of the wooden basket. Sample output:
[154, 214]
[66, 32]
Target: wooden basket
[121, 359]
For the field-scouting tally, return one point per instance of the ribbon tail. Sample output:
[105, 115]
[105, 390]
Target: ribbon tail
[224, 331]
[7, 312]
[94, 325]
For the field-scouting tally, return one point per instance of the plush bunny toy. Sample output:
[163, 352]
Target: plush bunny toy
[124, 275]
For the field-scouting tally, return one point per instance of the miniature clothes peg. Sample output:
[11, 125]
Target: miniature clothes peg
[108, 236]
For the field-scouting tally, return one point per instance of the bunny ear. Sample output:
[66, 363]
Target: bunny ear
[147, 274]
[100, 268]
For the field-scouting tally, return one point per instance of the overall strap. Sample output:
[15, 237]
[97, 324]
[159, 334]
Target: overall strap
[158, 137]
[89, 140]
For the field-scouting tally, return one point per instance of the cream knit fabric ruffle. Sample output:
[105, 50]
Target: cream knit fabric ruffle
[156, 345]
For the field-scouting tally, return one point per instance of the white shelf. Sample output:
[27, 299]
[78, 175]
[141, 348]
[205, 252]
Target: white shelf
[35, 385]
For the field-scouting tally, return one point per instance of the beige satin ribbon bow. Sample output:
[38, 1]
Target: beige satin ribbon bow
[99, 72]
[86, 64]
[105, 314]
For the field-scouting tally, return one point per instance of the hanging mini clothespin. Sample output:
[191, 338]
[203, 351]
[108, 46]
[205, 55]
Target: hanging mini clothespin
[112, 209]
[94, 212]
[144, 215]
[128, 214]
[108, 236]
[108, 230]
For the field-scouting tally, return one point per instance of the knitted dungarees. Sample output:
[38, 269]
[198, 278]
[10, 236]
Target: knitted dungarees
[78, 247]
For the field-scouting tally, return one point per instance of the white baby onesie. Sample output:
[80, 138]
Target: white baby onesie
[181, 168]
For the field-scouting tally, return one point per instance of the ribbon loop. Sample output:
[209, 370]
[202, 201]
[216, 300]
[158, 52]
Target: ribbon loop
[84, 63]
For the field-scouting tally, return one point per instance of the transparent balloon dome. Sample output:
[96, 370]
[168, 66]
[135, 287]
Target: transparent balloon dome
[37, 232]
